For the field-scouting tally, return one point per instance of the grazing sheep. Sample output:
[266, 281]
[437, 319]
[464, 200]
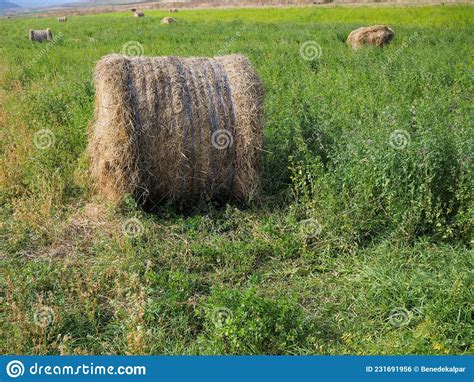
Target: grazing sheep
[138, 14]
[62, 19]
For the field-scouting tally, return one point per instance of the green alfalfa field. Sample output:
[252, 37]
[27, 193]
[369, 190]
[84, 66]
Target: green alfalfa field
[361, 242]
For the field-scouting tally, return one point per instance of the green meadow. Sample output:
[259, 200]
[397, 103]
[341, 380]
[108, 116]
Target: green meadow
[361, 242]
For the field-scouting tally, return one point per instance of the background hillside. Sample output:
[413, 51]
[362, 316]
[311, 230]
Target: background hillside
[8, 6]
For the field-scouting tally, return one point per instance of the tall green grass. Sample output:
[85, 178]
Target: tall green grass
[362, 243]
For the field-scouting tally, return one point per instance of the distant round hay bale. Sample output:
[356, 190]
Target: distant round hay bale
[62, 19]
[168, 20]
[378, 35]
[40, 35]
[138, 14]
[176, 129]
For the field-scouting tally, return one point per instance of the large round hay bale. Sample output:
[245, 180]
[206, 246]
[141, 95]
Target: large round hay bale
[168, 20]
[176, 129]
[378, 35]
[40, 35]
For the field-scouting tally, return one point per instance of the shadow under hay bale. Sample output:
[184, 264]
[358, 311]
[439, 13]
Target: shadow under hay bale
[138, 14]
[378, 35]
[178, 130]
[168, 20]
[40, 35]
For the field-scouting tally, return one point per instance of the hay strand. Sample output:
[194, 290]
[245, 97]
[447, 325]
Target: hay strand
[40, 35]
[176, 129]
[378, 35]
[168, 20]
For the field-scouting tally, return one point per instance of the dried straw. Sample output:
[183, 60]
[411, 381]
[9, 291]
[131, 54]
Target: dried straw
[176, 129]
[40, 35]
[378, 35]
[168, 20]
